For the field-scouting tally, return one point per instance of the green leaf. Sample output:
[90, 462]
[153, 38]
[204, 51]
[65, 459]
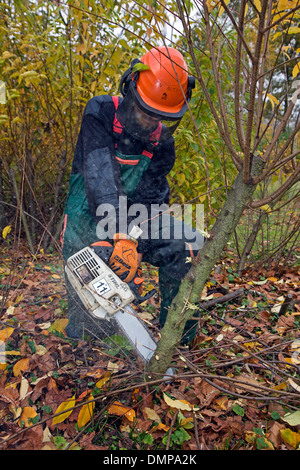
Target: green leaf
[263, 443]
[148, 439]
[60, 442]
[275, 415]
[118, 343]
[139, 67]
[238, 410]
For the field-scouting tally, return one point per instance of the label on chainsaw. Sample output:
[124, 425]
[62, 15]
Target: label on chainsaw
[117, 283]
[101, 286]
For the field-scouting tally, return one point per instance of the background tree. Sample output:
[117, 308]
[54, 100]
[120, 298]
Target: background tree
[54, 56]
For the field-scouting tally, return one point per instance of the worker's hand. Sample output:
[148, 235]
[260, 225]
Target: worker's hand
[124, 260]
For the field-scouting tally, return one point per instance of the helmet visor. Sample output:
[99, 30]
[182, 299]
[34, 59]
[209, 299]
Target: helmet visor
[144, 124]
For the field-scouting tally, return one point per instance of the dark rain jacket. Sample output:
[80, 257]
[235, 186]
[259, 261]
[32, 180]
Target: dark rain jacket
[96, 176]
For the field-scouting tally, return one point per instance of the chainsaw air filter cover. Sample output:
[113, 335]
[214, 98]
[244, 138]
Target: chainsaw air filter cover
[102, 292]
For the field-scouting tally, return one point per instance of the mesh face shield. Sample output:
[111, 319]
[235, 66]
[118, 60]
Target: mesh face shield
[142, 122]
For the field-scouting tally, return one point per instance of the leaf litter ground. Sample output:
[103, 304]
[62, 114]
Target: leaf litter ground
[237, 387]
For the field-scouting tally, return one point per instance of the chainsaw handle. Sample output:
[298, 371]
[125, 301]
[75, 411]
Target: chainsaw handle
[134, 286]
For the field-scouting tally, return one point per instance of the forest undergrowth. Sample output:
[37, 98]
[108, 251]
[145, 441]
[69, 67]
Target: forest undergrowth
[236, 388]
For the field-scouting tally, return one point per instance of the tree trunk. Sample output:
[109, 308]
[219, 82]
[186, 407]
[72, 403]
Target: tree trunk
[183, 306]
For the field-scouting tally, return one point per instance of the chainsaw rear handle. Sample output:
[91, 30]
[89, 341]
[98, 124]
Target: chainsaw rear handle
[135, 285]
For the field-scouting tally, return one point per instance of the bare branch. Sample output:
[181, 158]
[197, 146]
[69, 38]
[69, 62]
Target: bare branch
[293, 178]
[273, 142]
[237, 27]
[261, 81]
[252, 93]
[239, 126]
[237, 161]
[218, 83]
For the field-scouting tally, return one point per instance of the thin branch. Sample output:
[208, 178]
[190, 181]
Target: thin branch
[239, 127]
[293, 178]
[261, 81]
[237, 161]
[237, 27]
[216, 73]
[284, 161]
[273, 142]
[252, 93]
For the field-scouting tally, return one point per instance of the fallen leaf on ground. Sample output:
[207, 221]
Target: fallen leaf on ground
[26, 417]
[119, 409]
[66, 405]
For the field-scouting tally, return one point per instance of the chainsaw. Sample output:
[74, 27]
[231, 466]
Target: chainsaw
[106, 296]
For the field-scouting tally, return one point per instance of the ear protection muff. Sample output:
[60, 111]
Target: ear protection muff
[191, 86]
[127, 77]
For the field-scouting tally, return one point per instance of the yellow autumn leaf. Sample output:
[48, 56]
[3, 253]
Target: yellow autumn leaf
[151, 414]
[6, 231]
[67, 406]
[293, 30]
[273, 100]
[6, 333]
[58, 325]
[251, 438]
[182, 405]
[21, 366]
[85, 413]
[181, 178]
[286, 4]
[10, 353]
[211, 4]
[290, 437]
[28, 413]
[187, 423]
[103, 380]
[258, 5]
[252, 345]
[119, 409]
[281, 386]
[161, 427]
[296, 70]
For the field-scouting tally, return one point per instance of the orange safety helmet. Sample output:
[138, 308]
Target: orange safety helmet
[160, 91]
[164, 85]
